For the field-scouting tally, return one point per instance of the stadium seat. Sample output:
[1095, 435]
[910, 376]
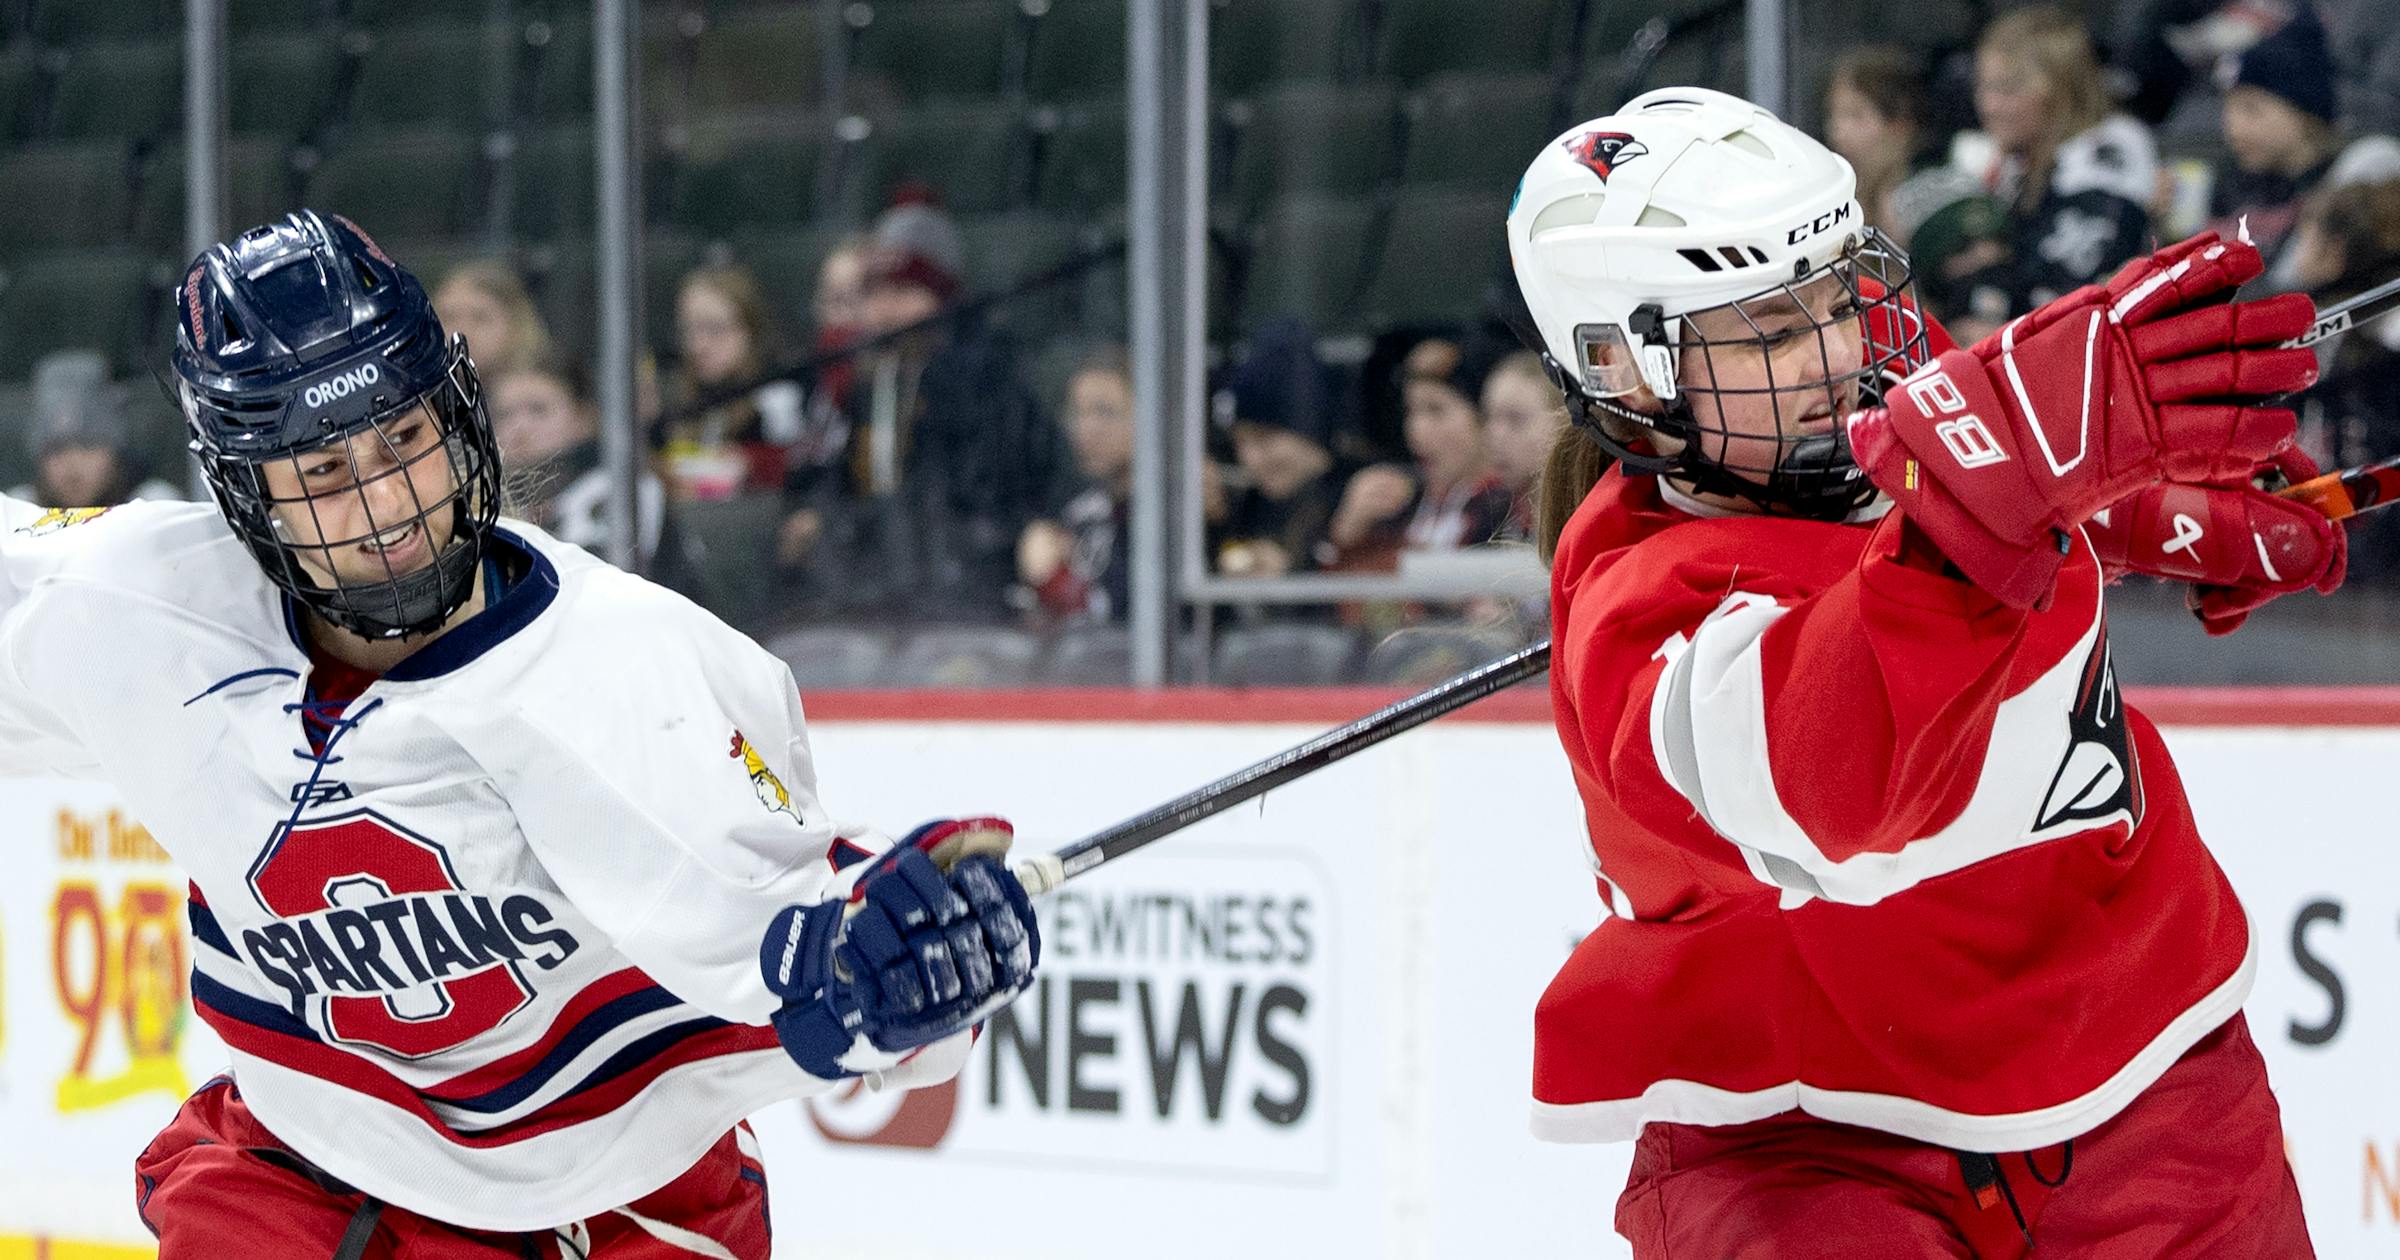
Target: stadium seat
[1304, 258]
[16, 413]
[404, 12]
[1284, 656]
[1092, 656]
[786, 262]
[68, 22]
[925, 50]
[832, 658]
[95, 299]
[1082, 149]
[1252, 43]
[1418, 38]
[1708, 55]
[19, 92]
[1311, 139]
[757, 171]
[453, 74]
[974, 155]
[124, 91]
[1421, 656]
[1439, 253]
[966, 658]
[552, 182]
[770, 58]
[415, 183]
[86, 195]
[1005, 249]
[729, 542]
[1078, 51]
[565, 279]
[253, 17]
[280, 84]
[258, 183]
[1475, 132]
[562, 72]
[431, 258]
[1610, 28]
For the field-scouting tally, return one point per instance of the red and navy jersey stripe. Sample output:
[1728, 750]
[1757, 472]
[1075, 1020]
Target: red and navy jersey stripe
[273, 1033]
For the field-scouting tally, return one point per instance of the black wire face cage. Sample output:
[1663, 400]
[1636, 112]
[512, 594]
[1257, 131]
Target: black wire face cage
[346, 505]
[1772, 355]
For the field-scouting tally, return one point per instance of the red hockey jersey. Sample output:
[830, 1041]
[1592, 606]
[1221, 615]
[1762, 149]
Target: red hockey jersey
[1875, 846]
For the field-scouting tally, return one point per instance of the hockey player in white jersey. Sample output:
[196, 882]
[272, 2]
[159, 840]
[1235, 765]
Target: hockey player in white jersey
[512, 894]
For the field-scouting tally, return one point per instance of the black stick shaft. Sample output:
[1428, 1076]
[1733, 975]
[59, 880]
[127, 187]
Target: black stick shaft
[1043, 873]
[2341, 317]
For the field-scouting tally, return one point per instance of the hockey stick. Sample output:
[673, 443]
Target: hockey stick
[2341, 317]
[1047, 871]
[2350, 491]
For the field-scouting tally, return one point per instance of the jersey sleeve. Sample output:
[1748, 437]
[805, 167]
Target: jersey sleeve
[38, 735]
[1848, 741]
[665, 783]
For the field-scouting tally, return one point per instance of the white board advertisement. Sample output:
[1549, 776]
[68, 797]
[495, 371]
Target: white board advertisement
[1301, 1028]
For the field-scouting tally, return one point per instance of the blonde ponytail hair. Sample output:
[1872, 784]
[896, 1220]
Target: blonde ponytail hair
[1575, 465]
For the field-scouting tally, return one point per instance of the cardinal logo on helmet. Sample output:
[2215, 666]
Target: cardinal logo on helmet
[1604, 151]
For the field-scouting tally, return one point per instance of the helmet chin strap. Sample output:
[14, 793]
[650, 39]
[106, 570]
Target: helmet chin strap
[1815, 478]
[402, 607]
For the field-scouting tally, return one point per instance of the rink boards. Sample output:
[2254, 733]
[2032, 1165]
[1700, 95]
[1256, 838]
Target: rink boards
[1299, 1029]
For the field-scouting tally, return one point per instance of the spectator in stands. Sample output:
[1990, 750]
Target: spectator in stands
[2282, 144]
[2077, 180]
[2152, 54]
[1072, 565]
[727, 341]
[949, 456]
[81, 440]
[1278, 405]
[486, 301]
[1522, 414]
[548, 431]
[840, 301]
[2349, 241]
[839, 308]
[1450, 498]
[812, 463]
[1878, 110]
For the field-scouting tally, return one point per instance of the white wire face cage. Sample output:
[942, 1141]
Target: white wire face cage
[1699, 379]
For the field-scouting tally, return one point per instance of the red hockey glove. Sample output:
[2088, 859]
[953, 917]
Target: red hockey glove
[2238, 546]
[1997, 452]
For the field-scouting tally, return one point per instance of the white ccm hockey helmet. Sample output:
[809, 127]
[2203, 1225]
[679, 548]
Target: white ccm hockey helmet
[1688, 200]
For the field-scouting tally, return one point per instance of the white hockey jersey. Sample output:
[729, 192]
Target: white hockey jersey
[491, 954]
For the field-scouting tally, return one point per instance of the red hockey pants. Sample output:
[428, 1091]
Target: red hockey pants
[2192, 1168]
[216, 1183]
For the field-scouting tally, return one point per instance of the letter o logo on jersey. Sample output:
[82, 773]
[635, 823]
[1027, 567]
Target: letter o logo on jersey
[404, 960]
[335, 388]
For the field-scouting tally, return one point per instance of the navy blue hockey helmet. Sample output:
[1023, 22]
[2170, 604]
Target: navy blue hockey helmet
[301, 344]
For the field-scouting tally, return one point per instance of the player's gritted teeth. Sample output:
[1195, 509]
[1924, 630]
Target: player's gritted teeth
[400, 548]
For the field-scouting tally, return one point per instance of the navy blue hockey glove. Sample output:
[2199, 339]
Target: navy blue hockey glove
[913, 956]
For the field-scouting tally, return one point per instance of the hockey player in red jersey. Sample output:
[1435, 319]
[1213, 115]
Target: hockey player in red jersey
[1913, 948]
[511, 889]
